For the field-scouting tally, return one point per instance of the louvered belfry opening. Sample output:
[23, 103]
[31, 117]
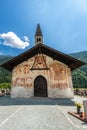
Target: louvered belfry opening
[40, 86]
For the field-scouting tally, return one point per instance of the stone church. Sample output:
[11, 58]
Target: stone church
[42, 72]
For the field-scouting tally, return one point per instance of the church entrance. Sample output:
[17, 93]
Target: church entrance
[40, 87]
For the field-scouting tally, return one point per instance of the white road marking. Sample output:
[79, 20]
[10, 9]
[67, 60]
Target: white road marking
[68, 118]
[3, 122]
[84, 127]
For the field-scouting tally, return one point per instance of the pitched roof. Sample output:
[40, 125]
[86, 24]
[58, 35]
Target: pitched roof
[38, 31]
[40, 48]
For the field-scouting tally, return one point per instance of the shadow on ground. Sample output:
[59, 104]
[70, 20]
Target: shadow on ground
[7, 101]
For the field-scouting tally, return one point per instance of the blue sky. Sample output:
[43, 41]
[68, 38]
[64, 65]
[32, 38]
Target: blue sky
[63, 24]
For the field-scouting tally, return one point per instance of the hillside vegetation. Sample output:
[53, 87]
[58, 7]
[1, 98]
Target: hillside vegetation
[79, 75]
[5, 76]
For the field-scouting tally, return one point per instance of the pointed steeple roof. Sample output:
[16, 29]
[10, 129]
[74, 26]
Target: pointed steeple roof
[38, 31]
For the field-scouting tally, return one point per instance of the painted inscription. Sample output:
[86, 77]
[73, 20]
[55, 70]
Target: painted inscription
[24, 82]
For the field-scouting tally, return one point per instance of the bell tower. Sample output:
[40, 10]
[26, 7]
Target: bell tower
[38, 35]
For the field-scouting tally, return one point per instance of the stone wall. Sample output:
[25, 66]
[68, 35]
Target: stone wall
[4, 92]
[59, 80]
[80, 92]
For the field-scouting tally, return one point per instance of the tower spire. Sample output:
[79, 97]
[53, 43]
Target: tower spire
[38, 35]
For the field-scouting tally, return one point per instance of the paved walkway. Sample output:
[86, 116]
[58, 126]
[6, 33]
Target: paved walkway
[39, 114]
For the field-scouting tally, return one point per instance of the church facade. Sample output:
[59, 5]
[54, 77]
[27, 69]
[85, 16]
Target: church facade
[42, 72]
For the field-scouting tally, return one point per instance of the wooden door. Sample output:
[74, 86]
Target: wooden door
[40, 87]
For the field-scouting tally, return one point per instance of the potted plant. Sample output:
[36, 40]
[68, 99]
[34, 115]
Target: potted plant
[79, 106]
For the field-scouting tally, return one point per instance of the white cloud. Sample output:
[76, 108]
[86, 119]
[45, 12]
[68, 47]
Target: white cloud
[12, 40]
[26, 39]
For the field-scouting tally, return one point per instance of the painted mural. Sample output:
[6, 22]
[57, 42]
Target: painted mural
[39, 62]
[22, 69]
[23, 75]
[24, 82]
[58, 75]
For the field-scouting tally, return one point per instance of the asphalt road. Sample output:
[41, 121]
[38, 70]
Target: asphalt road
[38, 114]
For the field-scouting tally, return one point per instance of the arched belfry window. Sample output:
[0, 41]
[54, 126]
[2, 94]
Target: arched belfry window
[39, 39]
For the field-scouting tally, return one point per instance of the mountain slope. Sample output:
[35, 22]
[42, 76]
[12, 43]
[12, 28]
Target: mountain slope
[80, 56]
[4, 58]
[80, 75]
[5, 76]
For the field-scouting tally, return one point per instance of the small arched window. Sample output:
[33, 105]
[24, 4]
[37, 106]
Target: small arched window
[39, 39]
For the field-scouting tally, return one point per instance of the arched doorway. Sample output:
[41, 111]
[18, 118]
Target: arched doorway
[40, 87]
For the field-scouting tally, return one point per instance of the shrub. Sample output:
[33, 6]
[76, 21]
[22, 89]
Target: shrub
[5, 85]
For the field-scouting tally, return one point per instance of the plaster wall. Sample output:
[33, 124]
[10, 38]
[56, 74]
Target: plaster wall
[59, 80]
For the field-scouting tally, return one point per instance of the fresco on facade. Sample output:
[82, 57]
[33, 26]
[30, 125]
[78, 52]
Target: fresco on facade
[58, 76]
[22, 69]
[26, 68]
[21, 75]
[39, 62]
[24, 81]
[18, 70]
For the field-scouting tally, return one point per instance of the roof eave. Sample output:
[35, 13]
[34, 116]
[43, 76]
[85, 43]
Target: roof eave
[56, 55]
